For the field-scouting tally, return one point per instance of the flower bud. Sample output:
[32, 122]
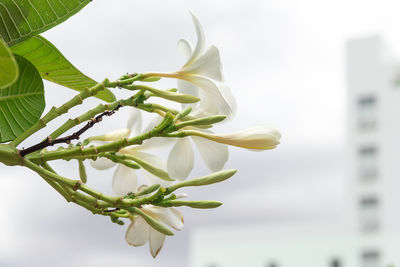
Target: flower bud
[202, 121]
[177, 97]
[125, 153]
[213, 178]
[147, 190]
[259, 137]
[153, 222]
[151, 79]
[196, 204]
[82, 172]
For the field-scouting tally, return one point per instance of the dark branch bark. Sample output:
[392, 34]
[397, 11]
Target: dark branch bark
[67, 139]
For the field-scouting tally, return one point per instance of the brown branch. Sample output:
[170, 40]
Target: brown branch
[67, 139]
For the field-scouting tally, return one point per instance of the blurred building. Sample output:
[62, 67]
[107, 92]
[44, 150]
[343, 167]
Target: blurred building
[368, 233]
[374, 150]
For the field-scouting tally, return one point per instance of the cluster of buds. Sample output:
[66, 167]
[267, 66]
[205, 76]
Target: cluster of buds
[149, 205]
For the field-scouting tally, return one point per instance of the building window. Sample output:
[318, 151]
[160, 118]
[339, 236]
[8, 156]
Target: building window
[369, 213]
[368, 163]
[370, 258]
[367, 113]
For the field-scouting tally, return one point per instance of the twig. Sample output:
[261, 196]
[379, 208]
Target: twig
[67, 139]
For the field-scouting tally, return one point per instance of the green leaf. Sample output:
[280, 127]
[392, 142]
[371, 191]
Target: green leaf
[22, 103]
[22, 19]
[54, 67]
[8, 66]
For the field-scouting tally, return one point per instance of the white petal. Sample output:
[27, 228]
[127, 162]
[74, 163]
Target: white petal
[152, 179]
[124, 181]
[138, 232]
[154, 142]
[153, 123]
[185, 47]
[212, 100]
[150, 158]
[181, 159]
[102, 163]
[169, 216]
[198, 112]
[135, 121]
[155, 161]
[156, 242]
[230, 99]
[188, 88]
[259, 137]
[215, 155]
[181, 195]
[200, 42]
[208, 65]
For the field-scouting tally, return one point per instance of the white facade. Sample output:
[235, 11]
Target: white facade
[374, 145]
[368, 234]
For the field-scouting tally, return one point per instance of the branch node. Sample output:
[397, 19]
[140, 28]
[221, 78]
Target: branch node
[77, 185]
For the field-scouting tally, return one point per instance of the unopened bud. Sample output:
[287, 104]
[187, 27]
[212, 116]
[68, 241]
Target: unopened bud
[197, 204]
[202, 121]
[259, 137]
[147, 190]
[151, 79]
[213, 178]
[153, 222]
[82, 172]
[145, 165]
[177, 97]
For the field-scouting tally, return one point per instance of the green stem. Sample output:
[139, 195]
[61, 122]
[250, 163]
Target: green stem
[56, 112]
[47, 173]
[131, 101]
[94, 150]
[59, 188]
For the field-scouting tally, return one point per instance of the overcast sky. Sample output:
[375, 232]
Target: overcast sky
[285, 63]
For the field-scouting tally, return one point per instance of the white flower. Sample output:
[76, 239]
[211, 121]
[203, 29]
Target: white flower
[259, 137]
[203, 70]
[181, 158]
[125, 179]
[140, 232]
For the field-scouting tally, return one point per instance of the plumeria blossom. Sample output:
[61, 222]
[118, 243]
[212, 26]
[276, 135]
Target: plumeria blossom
[140, 232]
[201, 74]
[181, 158]
[125, 178]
